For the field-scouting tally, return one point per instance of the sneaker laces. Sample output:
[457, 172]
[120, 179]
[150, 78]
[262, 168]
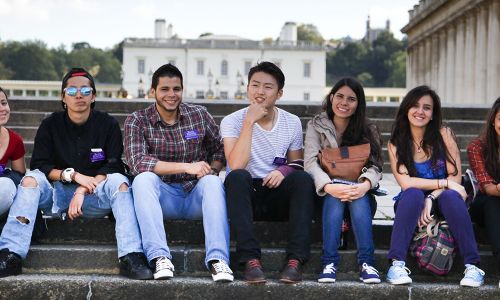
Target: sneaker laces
[164, 263]
[293, 263]
[254, 263]
[473, 272]
[221, 267]
[330, 268]
[369, 269]
[400, 269]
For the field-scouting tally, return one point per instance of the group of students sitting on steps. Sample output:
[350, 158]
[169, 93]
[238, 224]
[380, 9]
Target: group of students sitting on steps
[174, 152]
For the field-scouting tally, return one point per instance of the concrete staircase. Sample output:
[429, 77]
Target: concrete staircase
[77, 259]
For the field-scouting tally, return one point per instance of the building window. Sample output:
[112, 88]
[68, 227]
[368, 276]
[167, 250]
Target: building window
[307, 69]
[30, 93]
[55, 93]
[223, 68]
[18, 92]
[224, 94]
[307, 96]
[43, 93]
[248, 65]
[141, 66]
[200, 67]
[200, 95]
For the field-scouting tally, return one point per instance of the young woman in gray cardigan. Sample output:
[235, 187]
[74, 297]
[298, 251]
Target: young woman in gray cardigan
[343, 123]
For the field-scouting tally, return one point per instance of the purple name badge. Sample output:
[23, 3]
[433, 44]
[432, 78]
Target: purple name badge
[96, 154]
[2, 169]
[279, 161]
[191, 134]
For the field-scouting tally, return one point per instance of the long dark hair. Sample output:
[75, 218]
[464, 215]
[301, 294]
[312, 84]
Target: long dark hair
[490, 140]
[432, 143]
[359, 130]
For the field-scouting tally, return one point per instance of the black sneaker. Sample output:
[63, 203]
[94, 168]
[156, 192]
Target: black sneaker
[10, 263]
[135, 266]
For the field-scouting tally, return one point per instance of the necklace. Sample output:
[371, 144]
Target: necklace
[419, 145]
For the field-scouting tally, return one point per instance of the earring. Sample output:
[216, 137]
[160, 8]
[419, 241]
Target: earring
[64, 105]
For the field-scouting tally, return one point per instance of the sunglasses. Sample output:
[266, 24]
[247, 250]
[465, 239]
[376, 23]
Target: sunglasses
[84, 90]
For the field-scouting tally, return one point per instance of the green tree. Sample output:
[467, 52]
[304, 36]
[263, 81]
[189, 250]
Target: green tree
[29, 60]
[309, 33]
[102, 64]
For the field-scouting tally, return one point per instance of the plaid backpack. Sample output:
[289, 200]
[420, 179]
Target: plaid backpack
[434, 247]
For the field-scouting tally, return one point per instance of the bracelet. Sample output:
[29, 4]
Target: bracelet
[431, 196]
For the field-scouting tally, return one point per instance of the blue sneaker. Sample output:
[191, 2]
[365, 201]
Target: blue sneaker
[398, 273]
[474, 277]
[368, 274]
[328, 275]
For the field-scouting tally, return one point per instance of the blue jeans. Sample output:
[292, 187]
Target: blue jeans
[16, 235]
[361, 220]
[156, 200]
[7, 193]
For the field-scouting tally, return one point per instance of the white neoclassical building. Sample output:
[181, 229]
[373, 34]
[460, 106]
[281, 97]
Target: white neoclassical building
[216, 66]
[454, 46]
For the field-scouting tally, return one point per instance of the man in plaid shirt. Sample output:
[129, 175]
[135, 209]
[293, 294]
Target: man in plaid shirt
[176, 151]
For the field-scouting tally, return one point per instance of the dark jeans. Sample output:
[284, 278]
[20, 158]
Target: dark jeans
[485, 211]
[247, 200]
[454, 210]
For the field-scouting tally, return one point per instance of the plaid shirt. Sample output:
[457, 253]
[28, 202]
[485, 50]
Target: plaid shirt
[476, 161]
[194, 137]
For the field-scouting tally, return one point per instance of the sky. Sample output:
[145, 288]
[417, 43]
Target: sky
[104, 23]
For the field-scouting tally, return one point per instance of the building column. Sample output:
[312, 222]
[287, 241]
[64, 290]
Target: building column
[421, 63]
[450, 64]
[493, 57]
[459, 62]
[481, 53]
[470, 42]
[428, 61]
[434, 60]
[410, 66]
[441, 81]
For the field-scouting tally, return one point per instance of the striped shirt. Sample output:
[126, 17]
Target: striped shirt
[266, 145]
[194, 137]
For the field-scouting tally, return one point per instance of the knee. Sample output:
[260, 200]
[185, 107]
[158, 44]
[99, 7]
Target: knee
[412, 197]
[450, 196]
[211, 181]
[238, 177]
[29, 182]
[146, 178]
[302, 178]
[117, 180]
[7, 188]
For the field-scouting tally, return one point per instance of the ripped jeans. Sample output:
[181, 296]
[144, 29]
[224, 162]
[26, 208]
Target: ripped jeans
[16, 234]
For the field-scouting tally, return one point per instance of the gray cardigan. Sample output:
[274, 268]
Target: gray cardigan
[321, 133]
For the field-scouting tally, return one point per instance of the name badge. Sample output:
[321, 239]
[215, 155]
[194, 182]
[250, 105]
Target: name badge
[279, 161]
[2, 169]
[96, 154]
[191, 134]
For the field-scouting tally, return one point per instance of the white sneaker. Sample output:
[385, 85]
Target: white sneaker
[164, 268]
[221, 271]
[398, 273]
[473, 276]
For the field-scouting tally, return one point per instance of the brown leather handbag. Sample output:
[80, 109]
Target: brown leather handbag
[344, 162]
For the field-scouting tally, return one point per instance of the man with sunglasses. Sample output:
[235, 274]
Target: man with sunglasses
[76, 167]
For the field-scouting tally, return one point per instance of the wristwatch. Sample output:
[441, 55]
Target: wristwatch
[67, 175]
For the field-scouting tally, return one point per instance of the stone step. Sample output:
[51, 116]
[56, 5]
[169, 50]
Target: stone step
[224, 107]
[35, 286]
[189, 261]
[184, 232]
